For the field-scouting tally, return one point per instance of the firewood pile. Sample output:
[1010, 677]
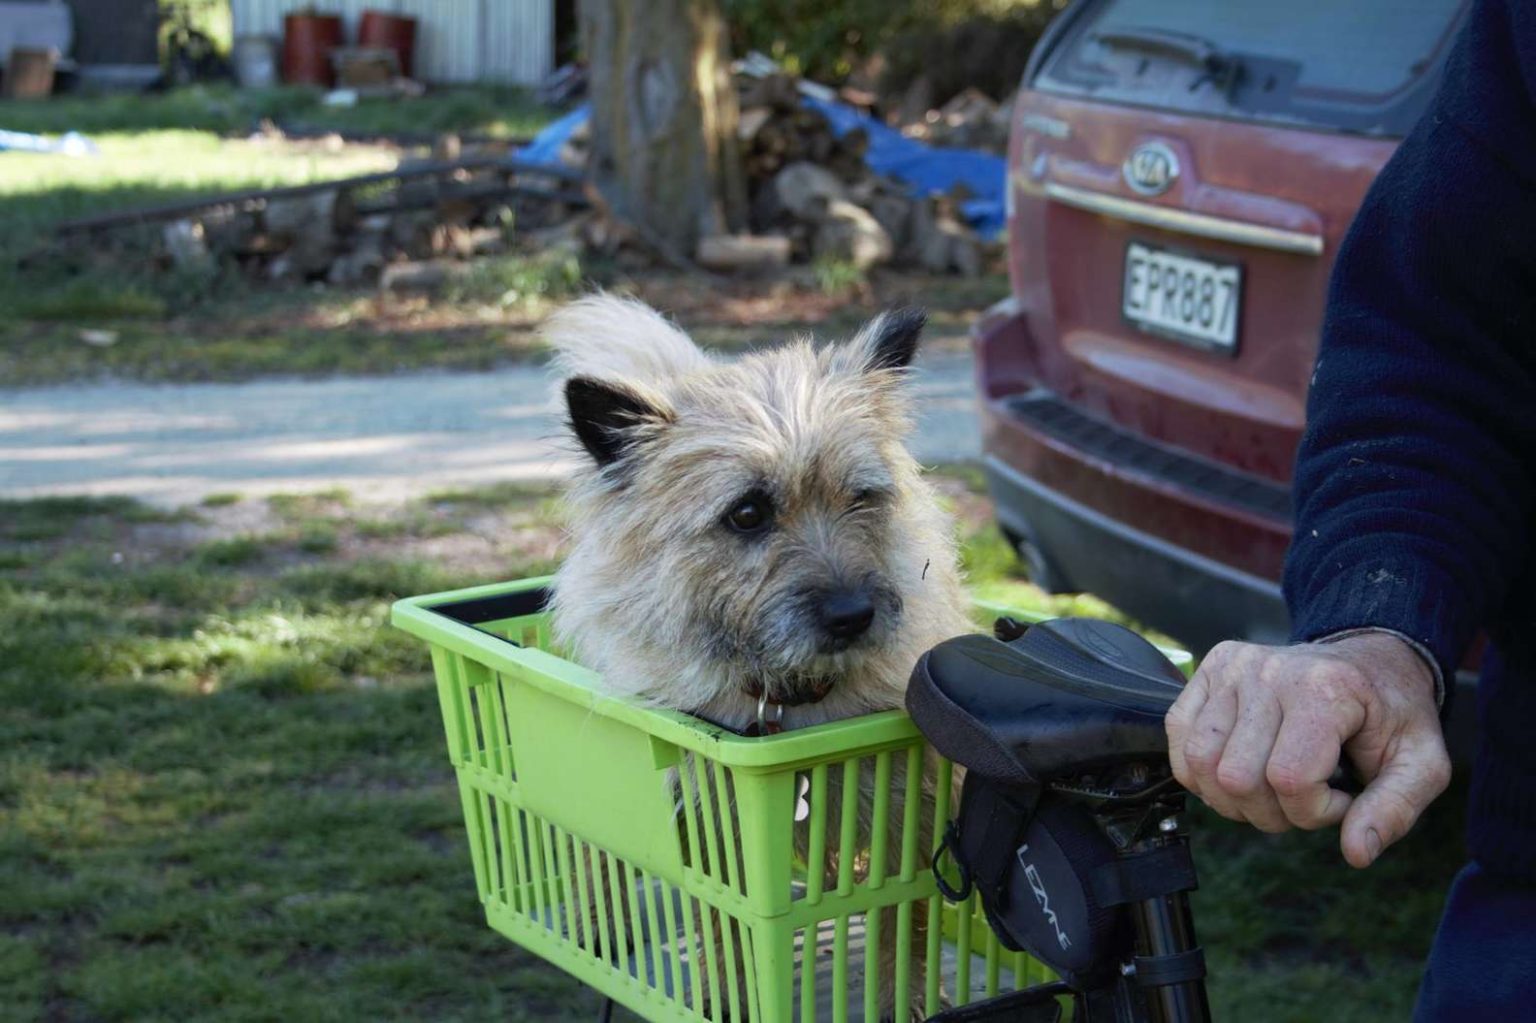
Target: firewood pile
[394, 228]
[812, 196]
[813, 188]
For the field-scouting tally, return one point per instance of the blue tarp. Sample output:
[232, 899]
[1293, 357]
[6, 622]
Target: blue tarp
[925, 169]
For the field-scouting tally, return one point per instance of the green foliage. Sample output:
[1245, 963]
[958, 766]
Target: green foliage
[85, 301]
[518, 279]
[829, 42]
[986, 52]
[501, 111]
[230, 553]
[837, 276]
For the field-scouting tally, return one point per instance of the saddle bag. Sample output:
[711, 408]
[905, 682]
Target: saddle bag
[1070, 702]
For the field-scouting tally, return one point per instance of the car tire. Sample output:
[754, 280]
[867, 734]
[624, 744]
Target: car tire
[1039, 567]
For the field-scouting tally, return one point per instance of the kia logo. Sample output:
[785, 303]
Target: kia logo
[1150, 168]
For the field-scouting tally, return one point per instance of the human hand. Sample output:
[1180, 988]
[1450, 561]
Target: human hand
[1259, 729]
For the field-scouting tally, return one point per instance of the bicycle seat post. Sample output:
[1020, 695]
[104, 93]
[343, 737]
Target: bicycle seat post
[1165, 941]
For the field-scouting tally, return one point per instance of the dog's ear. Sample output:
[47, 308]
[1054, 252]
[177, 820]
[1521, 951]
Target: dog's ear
[605, 416]
[889, 341]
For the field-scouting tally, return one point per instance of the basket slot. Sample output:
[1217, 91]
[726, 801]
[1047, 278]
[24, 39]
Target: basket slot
[848, 830]
[601, 921]
[816, 853]
[933, 957]
[994, 977]
[709, 973]
[492, 722]
[637, 933]
[532, 859]
[646, 920]
[731, 965]
[911, 817]
[550, 882]
[840, 970]
[903, 971]
[689, 954]
[574, 909]
[874, 924]
[475, 822]
[504, 833]
[669, 948]
[749, 968]
[807, 947]
[712, 823]
[880, 821]
[708, 817]
[503, 725]
[730, 826]
[963, 951]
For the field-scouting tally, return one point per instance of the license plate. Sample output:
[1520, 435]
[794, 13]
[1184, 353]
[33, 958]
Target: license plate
[1187, 299]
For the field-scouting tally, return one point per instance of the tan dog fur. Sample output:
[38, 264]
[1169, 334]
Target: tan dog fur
[675, 609]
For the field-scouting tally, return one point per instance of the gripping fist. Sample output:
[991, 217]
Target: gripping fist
[1259, 729]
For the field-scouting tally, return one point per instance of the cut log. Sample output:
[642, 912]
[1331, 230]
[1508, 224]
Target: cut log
[305, 215]
[752, 122]
[419, 276]
[804, 190]
[848, 232]
[731, 252]
[187, 246]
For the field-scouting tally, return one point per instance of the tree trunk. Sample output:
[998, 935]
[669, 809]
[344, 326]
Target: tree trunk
[663, 143]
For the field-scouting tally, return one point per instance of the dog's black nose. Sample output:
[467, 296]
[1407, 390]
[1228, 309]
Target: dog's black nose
[847, 615]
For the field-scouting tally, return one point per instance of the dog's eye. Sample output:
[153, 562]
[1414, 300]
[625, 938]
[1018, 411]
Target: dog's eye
[868, 499]
[752, 514]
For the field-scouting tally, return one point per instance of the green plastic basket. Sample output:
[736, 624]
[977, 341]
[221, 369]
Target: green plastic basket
[569, 808]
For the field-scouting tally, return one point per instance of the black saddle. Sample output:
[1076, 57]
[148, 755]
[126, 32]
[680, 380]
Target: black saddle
[1067, 790]
[1066, 697]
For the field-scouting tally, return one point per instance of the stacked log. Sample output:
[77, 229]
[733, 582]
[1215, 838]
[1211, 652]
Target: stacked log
[813, 187]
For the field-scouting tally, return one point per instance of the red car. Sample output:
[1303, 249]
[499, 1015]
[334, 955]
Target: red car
[1181, 173]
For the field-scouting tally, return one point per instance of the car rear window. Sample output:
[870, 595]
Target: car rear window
[1366, 67]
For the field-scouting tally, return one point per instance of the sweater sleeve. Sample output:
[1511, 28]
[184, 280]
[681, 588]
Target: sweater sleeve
[1413, 482]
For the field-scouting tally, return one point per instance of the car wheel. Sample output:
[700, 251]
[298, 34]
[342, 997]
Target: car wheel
[1038, 565]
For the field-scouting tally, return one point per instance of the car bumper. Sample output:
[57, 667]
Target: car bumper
[1183, 544]
[1192, 598]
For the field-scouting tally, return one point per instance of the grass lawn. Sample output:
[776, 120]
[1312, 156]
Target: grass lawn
[223, 792]
[181, 145]
[504, 112]
[487, 320]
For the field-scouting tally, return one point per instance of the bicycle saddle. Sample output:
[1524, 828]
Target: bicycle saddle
[1068, 696]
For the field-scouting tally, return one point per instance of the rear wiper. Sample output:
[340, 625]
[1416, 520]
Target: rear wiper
[1222, 68]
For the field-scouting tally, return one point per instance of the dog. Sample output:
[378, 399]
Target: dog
[750, 540]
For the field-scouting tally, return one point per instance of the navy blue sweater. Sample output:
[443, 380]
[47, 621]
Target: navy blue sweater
[1414, 482]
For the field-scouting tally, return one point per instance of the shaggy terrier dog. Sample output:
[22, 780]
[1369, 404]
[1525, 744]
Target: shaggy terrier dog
[751, 541]
[751, 529]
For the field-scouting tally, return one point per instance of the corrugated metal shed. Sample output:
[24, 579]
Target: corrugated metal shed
[456, 40]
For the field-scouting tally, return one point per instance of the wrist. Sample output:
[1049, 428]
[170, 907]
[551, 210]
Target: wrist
[1393, 654]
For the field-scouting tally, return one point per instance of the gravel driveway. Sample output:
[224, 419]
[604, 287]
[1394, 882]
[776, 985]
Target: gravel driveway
[381, 437]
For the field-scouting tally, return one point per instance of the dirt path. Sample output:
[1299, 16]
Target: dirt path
[379, 436]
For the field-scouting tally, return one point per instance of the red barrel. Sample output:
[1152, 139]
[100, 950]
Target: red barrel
[308, 40]
[390, 32]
